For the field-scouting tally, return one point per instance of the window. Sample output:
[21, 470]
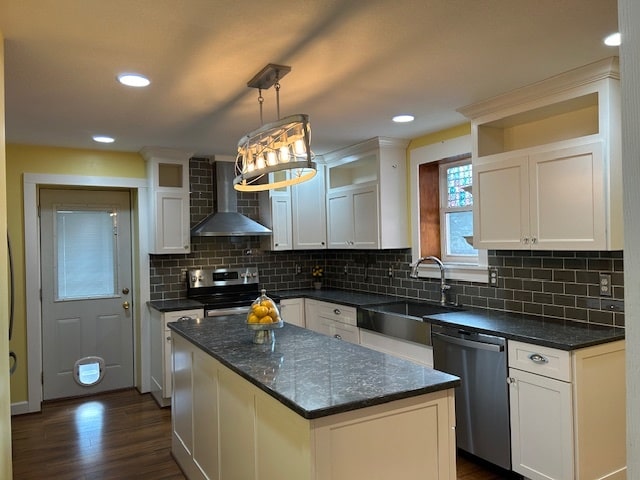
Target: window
[456, 212]
[441, 231]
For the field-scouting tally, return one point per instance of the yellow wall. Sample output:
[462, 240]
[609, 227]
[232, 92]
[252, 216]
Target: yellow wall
[23, 159]
[441, 136]
[5, 404]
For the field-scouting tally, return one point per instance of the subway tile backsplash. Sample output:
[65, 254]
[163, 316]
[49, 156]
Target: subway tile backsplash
[550, 283]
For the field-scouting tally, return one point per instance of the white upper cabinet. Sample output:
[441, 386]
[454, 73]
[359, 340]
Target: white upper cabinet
[309, 213]
[295, 214]
[168, 177]
[275, 213]
[366, 195]
[547, 166]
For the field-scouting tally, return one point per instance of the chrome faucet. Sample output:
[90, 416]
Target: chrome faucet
[443, 286]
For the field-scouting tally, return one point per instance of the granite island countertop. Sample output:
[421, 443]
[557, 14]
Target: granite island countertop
[313, 374]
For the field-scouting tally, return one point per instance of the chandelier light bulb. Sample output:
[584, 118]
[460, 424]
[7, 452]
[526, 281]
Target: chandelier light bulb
[272, 158]
[284, 154]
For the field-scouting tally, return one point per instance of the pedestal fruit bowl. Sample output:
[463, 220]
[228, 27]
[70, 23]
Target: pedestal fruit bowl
[263, 318]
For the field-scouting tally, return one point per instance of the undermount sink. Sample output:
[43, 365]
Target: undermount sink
[402, 319]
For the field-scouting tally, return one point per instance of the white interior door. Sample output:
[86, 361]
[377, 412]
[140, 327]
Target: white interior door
[87, 327]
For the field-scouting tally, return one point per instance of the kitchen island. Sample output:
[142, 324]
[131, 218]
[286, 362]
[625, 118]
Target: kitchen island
[307, 406]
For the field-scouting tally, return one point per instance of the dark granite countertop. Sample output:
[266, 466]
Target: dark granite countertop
[548, 332]
[174, 305]
[313, 374]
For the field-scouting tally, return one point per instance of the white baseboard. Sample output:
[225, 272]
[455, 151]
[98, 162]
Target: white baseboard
[20, 408]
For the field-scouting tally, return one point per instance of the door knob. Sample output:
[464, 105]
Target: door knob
[125, 305]
[125, 291]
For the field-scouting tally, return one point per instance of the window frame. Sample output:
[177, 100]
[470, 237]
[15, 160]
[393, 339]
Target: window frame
[436, 152]
[443, 166]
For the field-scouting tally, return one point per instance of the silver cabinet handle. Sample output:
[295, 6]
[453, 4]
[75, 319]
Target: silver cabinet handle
[539, 359]
[336, 311]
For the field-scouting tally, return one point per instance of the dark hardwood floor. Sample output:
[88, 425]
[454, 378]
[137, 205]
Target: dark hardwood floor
[117, 435]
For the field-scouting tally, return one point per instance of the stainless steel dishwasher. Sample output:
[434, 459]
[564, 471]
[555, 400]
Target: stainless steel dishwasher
[482, 399]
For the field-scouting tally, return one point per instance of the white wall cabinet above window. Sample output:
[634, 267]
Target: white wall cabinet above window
[366, 195]
[168, 176]
[295, 214]
[547, 164]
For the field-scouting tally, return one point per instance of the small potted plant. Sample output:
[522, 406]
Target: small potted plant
[316, 273]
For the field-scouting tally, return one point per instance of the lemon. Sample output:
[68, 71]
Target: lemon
[253, 318]
[260, 311]
[266, 319]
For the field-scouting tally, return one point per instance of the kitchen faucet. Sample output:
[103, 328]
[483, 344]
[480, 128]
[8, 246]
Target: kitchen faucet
[443, 286]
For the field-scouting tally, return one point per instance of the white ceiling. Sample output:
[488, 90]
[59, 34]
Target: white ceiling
[355, 63]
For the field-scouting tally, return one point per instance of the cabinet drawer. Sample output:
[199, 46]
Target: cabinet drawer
[546, 361]
[339, 313]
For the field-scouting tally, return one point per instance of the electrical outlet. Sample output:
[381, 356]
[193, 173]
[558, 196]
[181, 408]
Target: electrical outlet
[605, 285]
[493, 276]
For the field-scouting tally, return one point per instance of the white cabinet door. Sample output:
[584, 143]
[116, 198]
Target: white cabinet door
[567, 205]
[309, 213]
[501, 203]
[339, 220]
[353, 218]
[541, 426]
[292, 311]
[366, 223]
[282, 233]
[205, 415]
[172, 233]
[182, 399]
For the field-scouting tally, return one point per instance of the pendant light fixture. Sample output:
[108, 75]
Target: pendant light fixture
[280, 146]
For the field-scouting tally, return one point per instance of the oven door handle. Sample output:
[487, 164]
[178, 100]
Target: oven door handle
[219, 312]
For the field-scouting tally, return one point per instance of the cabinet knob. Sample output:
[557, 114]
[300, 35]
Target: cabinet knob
[534, 240]
[168, 339]
[336, 311]
[337, 335]
[525, 240]
[186, 247]
[511, 380]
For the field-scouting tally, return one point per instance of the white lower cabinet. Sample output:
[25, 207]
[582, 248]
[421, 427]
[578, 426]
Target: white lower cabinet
[292, 311]
[421, 354]
[331, 319]
[568, 412]
[161, 352]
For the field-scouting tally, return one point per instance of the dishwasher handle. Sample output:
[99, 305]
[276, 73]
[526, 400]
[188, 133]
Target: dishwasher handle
[469, 343]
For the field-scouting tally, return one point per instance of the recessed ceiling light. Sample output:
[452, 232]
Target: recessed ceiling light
[403, 118]
[103, 139]
[133, 80]
[613, 40]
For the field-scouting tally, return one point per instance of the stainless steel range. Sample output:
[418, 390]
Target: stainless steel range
[225, 291]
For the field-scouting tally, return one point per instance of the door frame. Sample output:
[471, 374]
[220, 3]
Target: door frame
[140, 269]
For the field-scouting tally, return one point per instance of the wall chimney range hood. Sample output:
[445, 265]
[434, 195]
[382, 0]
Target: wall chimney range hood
[226, 221]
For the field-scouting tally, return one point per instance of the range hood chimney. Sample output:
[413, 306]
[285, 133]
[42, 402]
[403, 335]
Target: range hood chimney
[226, 221]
